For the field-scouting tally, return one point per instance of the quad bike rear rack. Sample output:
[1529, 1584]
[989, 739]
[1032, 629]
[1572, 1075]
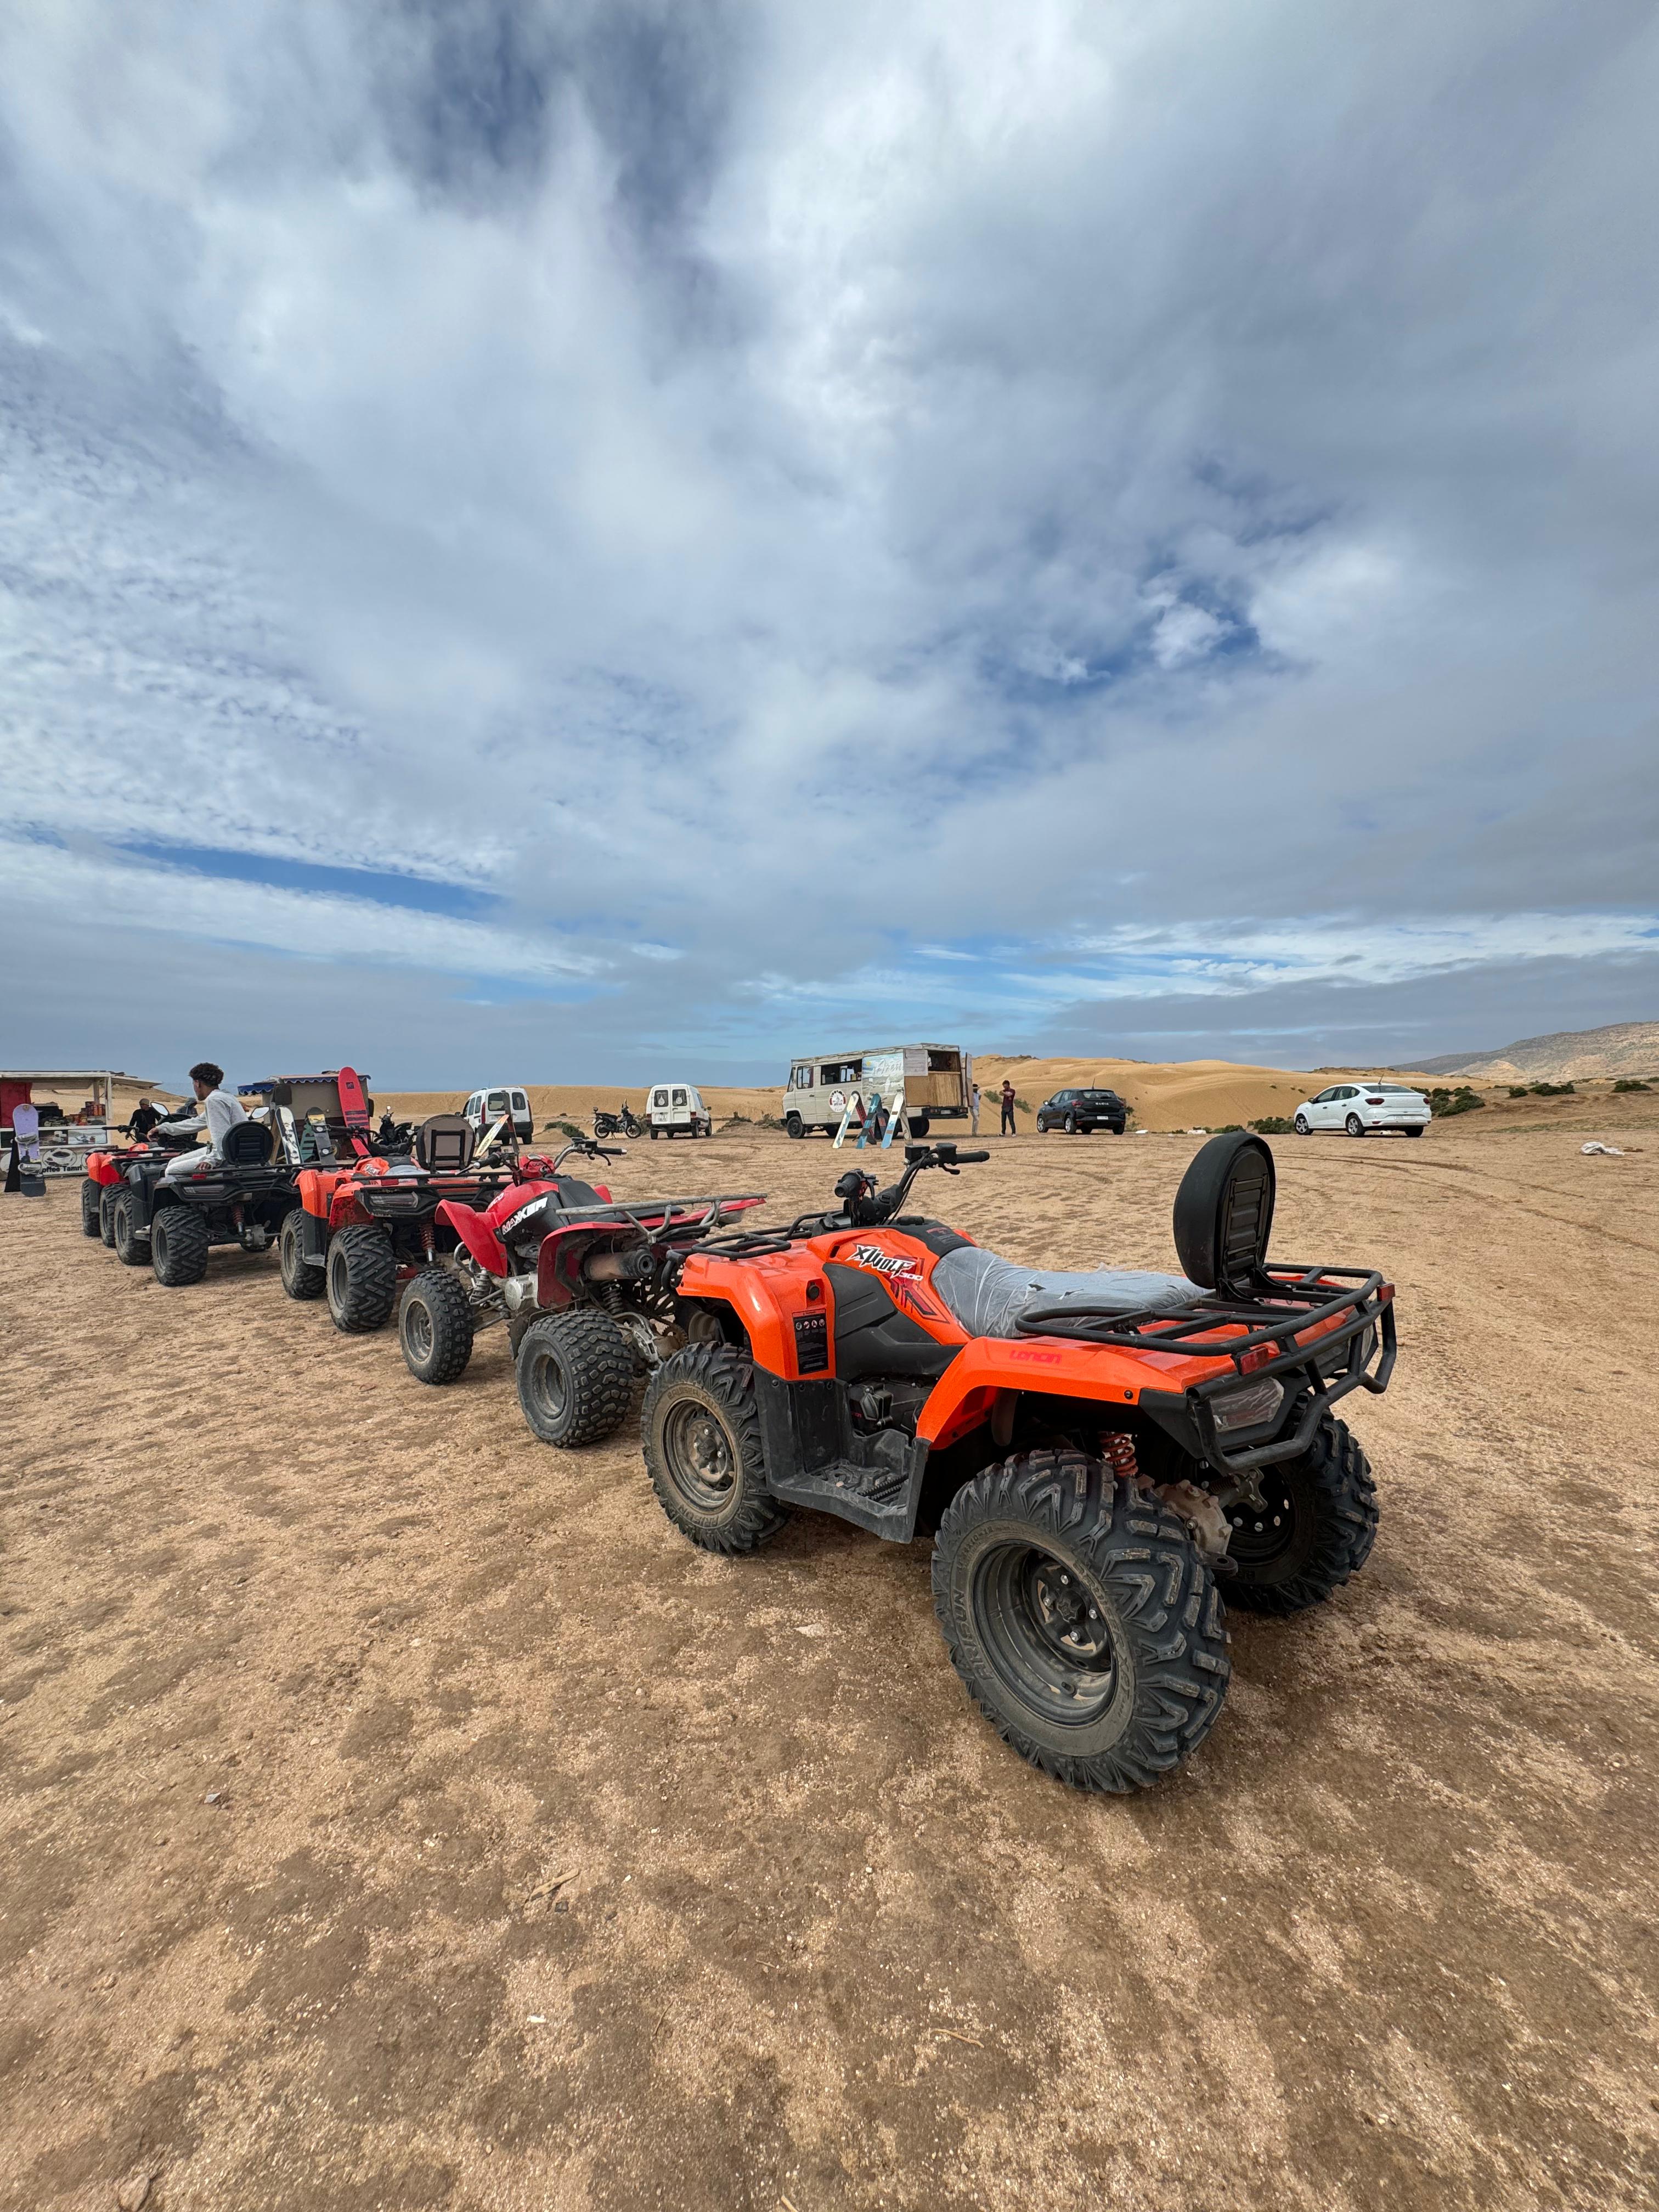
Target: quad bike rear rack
[1355, 1326]
[667, 1217]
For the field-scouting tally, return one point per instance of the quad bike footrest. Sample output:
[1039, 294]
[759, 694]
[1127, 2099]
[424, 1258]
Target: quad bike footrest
[815, 1457]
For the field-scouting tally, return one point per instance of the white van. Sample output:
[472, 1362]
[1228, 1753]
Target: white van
[677, 1108]
[937, 1080]
[485, 1108]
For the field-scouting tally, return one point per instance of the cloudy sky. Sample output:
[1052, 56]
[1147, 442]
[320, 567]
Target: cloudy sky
[571, 538]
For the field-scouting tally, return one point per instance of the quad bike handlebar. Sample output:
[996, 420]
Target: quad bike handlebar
[589, 1149]
[866, 1207]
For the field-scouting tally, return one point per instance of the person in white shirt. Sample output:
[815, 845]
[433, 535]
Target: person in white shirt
[220, 1112]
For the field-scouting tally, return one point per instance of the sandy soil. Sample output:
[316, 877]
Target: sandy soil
[397, 1812]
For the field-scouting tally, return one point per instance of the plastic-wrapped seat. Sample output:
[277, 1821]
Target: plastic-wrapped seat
[987, 1294]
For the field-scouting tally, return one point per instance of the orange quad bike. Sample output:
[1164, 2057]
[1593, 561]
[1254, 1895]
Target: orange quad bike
[1101, 1454]
[368, 1221]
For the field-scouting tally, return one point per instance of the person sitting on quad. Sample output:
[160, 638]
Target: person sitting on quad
[143, 1119]
[220, 1113]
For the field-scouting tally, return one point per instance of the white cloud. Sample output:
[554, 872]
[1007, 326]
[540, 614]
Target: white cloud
[773, 486]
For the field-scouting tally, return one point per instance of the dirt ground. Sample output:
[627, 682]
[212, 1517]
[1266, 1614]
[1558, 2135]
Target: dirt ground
[397, 1812]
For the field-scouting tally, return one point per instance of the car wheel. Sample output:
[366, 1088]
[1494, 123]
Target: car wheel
[1304, 1126]
[1416, 1131]
[1070, 1125]
[1354, 1126]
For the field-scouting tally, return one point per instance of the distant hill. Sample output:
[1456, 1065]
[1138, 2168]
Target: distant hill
[1564, 1056]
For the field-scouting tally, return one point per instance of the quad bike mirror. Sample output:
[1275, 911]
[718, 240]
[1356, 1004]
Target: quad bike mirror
[1223, 1214]
[246, 1146]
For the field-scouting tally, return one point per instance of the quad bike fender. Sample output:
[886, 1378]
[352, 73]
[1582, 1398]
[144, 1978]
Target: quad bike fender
[476, 1236]
[105, 1168]
[318, 1186]
[782, 1300]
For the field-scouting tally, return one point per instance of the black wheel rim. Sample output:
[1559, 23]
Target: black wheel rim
[1046, 1633]
[417, 1329]
[544, 1381]
[1265, 1535]
[700, 1457]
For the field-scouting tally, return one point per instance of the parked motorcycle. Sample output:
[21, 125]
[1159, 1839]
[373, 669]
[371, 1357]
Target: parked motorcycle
[626, 1123]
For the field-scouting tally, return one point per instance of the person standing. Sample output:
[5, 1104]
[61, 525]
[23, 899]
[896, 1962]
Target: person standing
[1008, 1128]
[144, 1118]
[220, 1113]
[973, 1109]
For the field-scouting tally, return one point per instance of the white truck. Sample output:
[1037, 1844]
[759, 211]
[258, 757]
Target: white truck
[936, 1080]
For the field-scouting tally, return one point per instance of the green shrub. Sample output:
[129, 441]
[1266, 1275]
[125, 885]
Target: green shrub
[1022, 1105]
[1274, 1125]
[1228, 1129]
[1630, 1083]
[1553, 1090]
[1517, 1090]
[565, 1129]
[1446, 1103]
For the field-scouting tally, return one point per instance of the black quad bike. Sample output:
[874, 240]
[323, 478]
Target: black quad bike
[239, 1197]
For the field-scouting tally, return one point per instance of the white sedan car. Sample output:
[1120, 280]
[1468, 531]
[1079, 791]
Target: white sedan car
[1357, 1109]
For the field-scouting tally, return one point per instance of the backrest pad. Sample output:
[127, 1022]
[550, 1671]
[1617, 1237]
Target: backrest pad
[444, 1144]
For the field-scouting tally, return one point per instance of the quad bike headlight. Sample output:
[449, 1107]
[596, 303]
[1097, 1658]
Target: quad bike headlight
[1247, 1407]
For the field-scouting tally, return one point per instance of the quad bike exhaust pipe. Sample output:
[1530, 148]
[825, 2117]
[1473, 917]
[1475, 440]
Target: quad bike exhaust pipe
[633, 1264]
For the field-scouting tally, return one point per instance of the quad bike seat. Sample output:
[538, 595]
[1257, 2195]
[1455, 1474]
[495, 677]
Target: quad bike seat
[1224, 1213]
[987, 1294]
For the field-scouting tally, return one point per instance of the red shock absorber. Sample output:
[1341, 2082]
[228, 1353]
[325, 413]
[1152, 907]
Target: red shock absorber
[1118, 1452]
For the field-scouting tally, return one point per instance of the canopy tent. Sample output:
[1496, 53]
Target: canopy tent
[98, 1083]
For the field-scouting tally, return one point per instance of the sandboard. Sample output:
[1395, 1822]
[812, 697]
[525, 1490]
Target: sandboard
[287, 1135]
[354, 1103]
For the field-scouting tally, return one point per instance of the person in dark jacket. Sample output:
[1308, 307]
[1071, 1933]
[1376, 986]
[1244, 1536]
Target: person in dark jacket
[144, 1118]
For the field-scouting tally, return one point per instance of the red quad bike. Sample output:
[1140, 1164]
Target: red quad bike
[584, 1282]
[368, 1225]
[1099, 1453]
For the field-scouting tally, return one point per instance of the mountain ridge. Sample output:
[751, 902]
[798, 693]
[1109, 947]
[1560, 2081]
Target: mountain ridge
[1561, 1056]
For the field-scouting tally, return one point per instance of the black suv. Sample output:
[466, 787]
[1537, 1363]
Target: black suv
[1077, 1112]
